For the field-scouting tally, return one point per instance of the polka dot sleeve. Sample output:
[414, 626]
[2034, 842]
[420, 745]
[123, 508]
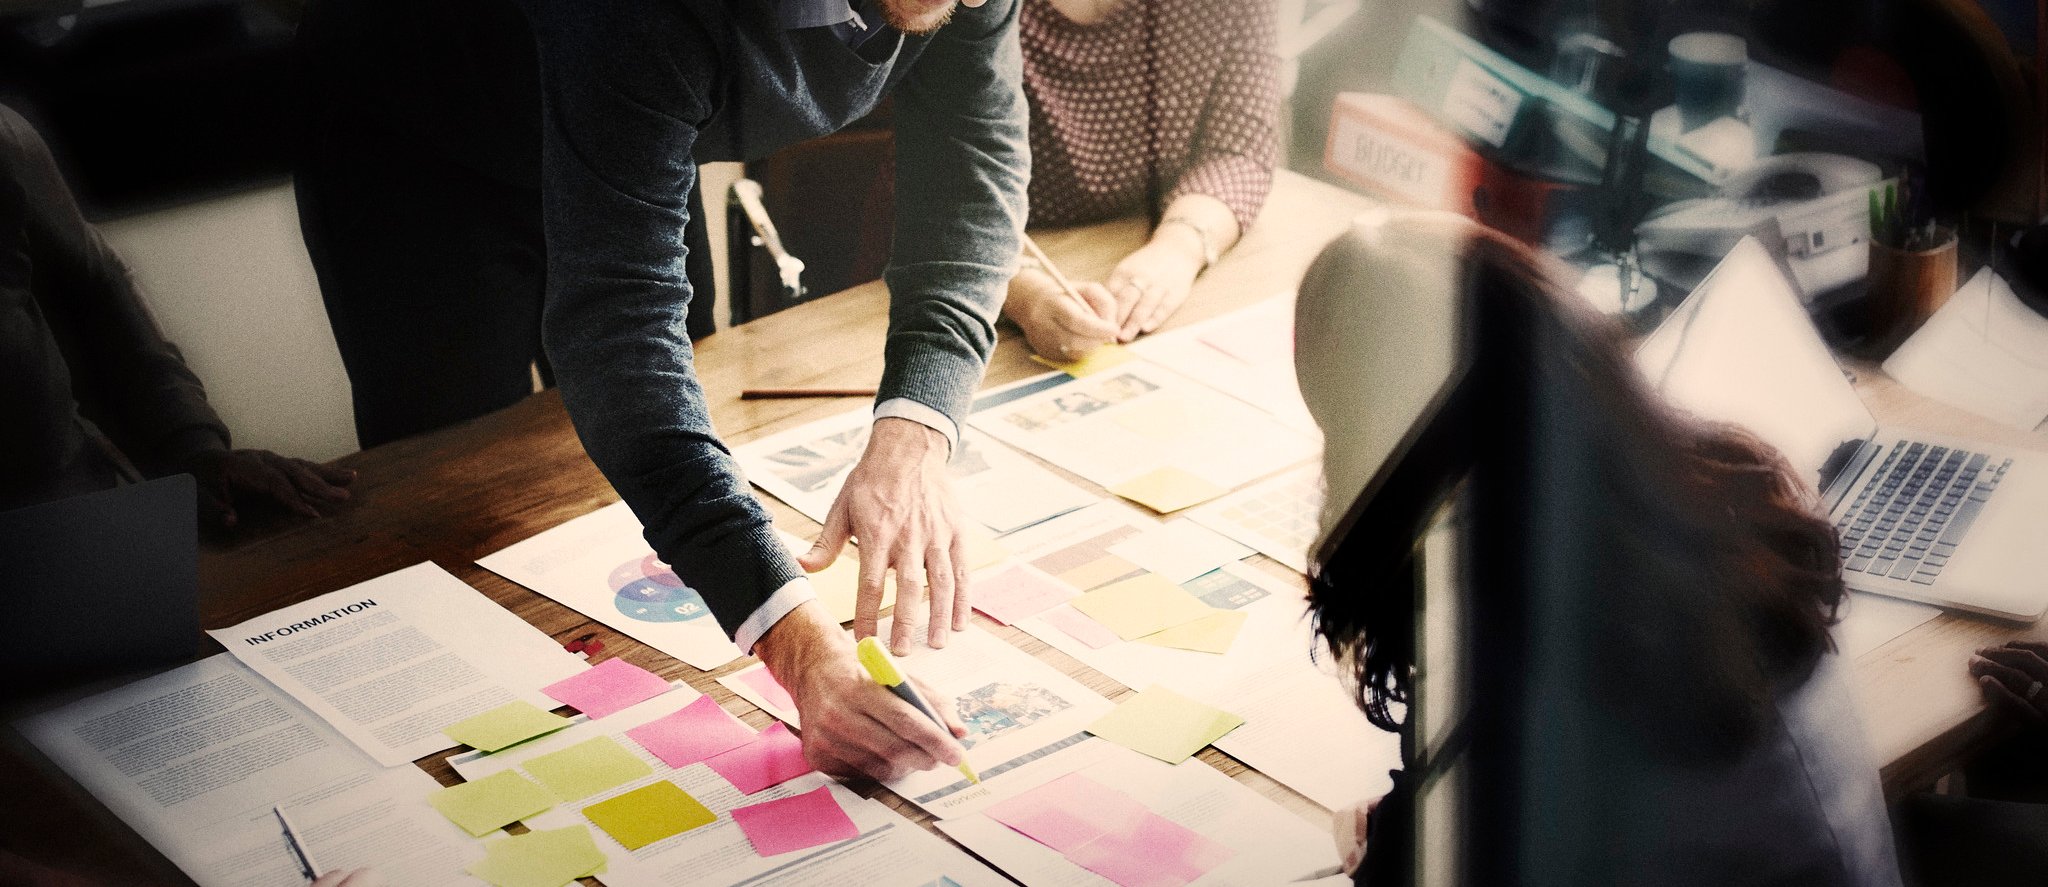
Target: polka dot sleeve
[1237, 142]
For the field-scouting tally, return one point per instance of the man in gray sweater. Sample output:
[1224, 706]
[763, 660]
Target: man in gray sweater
[462, 149]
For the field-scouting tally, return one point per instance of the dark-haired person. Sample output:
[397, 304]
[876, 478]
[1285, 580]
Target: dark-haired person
[1713, 580]
[92, 395]
[1167, 108]
[488, 184]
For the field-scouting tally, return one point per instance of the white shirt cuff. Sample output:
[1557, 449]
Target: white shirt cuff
[790, 596]
[905, 408]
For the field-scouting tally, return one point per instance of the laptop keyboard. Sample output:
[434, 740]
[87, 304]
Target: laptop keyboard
[1906, 522]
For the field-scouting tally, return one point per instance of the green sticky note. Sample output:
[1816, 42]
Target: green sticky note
[586, 768]
[645, 815]
[1142, 605]
[548, 858]
[491, 802]
[1164, 724]
[1213, 633]
[504, 726]
[1168, 489]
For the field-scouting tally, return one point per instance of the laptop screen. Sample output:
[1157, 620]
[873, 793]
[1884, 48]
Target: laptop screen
[1743, 350]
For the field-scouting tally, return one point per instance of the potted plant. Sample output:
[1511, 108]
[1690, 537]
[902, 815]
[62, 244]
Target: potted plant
[1912, 270]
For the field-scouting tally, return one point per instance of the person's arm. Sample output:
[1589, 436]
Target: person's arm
[962, 162]
[1215, 200]
[621, 110]
[129, 379]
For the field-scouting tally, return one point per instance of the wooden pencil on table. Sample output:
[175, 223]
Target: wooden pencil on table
[796, 393]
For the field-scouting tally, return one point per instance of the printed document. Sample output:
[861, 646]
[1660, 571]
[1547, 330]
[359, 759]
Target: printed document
[600, 565]
[1247, 354]
[194, 758]
[393, 660]
[1985, 351]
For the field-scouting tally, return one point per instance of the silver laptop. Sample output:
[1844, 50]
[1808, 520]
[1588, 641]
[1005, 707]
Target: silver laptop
[1930, 518]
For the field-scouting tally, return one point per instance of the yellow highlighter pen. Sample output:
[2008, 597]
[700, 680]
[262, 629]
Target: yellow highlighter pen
[882, 668]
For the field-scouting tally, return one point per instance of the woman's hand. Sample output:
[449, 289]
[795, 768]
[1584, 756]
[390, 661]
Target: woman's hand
[1151, 284]
[2016, 673]
[1057, 327]
[1349, 829]
[231, 477]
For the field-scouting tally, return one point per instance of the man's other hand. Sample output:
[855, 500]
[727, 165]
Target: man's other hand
[228, 476]
[898, 502]
[852, 726]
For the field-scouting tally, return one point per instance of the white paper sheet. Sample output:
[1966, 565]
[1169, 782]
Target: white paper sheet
[1870, 621]
[1273, 846]
[393, 660]
[1278, 515]
[1136, 418]
[805, 467]
[891, 851]
[1247, 354]
[1984, 351]
[194, 758]
[600, 565]
[1179, 550]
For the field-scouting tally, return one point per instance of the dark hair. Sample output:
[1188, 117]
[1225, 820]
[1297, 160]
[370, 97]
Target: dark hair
[1716, 578]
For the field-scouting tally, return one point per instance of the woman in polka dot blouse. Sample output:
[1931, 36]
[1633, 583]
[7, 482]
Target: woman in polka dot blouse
[1166, 107]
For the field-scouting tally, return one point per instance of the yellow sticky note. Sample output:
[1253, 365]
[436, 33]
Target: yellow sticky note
[1210, 634]
[506, 725]
[492, 802]
[1137, 607]
[1168, 489]
[982, 548]
[548, 858]
[838, 586]
[586, 768]
[1102, 358]
[1161, 418]
[1164, 724]
[645, 815]
[1098, 572]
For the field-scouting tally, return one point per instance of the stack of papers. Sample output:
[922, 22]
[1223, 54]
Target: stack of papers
[1985, 351]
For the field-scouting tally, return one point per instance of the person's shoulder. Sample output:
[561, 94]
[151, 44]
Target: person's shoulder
[975, 22]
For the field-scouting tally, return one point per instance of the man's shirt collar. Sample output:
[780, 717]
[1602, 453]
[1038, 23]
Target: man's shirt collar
[795, 14]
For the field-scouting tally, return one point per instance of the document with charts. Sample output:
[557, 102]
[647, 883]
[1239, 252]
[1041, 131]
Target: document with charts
[1301, 726]
[194, 758]
[1239, 839]
[886, 850]
[805, 467]
[1247, 354]
[599, 565]
[1140, 420]
[391, 661]
[1279, 516]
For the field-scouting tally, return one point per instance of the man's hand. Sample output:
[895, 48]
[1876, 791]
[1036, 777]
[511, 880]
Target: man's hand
[2016, 673]
[1150, 285]
[852, 725]
[899, 503]
[298, 485]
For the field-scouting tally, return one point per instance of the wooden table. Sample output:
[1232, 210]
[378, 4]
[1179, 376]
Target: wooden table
[464, 492]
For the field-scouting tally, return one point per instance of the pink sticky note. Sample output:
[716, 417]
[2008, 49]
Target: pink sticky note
[699, 731]
[1068, 812]
[1155, 852]
[1078, 626]
[607, 687]
[1018, 593]
[770, 689]
[774, 757]
[795, 823]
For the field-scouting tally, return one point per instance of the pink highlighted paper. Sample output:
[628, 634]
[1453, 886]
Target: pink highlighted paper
[1018, 593]
[607, 688]
[771, 690]
[795, 823]
[774, 757]
[1109, 833]
[1078, 626]
[699, 731]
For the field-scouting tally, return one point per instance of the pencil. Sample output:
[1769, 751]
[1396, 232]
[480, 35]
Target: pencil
[1053, 271]
[297, 845]
[794, 393]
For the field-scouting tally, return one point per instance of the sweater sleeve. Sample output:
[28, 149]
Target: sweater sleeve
[962, 164]
[621, 109]
[128, 378]
[1237, 144]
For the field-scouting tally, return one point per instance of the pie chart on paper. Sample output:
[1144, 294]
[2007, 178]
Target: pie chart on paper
[648, 591]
